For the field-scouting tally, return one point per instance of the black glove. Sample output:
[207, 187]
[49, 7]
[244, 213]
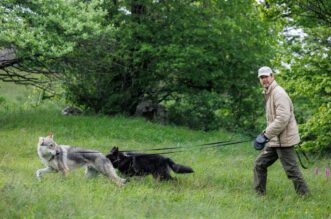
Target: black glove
[260, 141]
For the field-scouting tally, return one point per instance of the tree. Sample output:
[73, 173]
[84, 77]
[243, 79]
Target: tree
[34, 35]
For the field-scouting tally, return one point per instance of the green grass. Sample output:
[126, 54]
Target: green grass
[221, 186]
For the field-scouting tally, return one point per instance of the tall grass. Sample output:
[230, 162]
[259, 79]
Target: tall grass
[221, 186]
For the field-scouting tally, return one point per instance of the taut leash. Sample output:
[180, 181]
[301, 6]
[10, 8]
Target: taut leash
[186, 148]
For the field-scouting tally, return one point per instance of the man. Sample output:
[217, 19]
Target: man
[280, 136]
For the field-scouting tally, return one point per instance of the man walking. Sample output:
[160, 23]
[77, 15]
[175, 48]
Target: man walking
[280, 136]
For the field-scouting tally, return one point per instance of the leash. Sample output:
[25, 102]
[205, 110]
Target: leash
[178, 147]
[302, 157]
[300, 154]
[186, 148]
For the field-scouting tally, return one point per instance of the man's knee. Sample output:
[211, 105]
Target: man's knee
[293, 172]
[259, 166]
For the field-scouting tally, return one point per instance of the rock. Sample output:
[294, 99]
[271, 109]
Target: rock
[152, 111]
[71, 110]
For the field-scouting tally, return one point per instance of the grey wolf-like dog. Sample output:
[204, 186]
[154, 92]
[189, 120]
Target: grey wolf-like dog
[140, 164]
[64, 158]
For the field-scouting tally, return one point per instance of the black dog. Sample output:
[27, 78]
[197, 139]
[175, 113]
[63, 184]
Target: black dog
[139, 164]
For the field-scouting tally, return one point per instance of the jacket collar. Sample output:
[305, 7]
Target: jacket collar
[270, 88]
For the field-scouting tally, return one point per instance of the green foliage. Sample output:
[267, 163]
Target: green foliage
[316, 131]
[307, 13]
[41, 31]
[198, 111]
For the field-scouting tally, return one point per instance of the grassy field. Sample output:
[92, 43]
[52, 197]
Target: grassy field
[221, 186]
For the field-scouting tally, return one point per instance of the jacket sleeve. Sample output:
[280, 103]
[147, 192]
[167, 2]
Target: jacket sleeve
[282, 115]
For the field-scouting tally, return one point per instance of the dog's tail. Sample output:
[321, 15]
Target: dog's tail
[178, 168]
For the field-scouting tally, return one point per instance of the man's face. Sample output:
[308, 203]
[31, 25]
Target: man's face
[266, 81]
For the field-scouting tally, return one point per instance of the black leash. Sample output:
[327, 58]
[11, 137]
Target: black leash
[178, 147]
[302, 156]
[186, 148]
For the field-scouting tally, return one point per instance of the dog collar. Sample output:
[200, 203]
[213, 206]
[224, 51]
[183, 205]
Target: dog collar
[53, 156]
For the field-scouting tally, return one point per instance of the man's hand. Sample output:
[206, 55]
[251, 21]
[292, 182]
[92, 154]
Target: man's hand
[260, 141]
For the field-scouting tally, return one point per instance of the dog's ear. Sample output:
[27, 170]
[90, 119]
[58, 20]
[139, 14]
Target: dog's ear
[114, 150]
[41, 140]
[50, 135]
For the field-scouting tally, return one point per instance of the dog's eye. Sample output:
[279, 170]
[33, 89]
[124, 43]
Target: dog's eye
[51, 145]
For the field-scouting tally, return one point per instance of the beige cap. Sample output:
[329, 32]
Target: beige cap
[264, 71]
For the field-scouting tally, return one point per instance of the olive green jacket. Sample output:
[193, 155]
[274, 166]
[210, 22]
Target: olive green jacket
[282, 128]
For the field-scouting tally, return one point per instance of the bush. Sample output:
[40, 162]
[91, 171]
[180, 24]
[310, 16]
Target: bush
[196, 112]
[316, 132]
[210, 111]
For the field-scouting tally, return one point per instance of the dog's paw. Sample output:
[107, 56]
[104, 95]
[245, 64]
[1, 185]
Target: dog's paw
[38, 175]
[65, 173]
[121, 182]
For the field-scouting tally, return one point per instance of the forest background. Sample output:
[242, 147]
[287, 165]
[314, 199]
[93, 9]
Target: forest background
[198, 59]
